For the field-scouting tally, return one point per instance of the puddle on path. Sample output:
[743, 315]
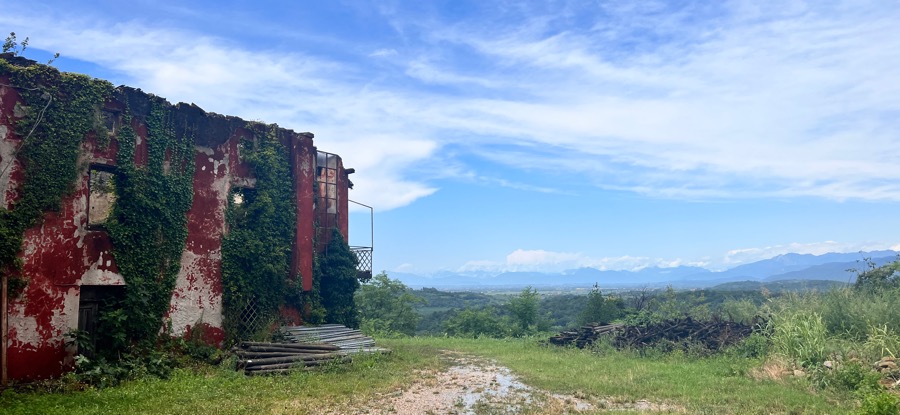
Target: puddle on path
[474, 386]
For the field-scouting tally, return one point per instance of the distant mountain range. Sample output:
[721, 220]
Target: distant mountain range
[788, 267]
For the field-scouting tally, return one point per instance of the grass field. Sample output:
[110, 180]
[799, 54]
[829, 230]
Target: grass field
[720, 385]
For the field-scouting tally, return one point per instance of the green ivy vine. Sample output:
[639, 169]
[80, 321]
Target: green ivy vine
[60, 110]
[337, 282]
[256, 252]
[148, 226]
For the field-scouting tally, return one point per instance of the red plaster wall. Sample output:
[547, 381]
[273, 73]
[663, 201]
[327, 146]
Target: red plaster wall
[303, 166]
[60, 255]
[343, 195]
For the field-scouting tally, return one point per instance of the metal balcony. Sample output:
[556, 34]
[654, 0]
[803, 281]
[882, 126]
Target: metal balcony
[364, 258]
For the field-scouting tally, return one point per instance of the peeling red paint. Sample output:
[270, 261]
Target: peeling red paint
[290, 316]
[45, 362]
[62, 254]
[303, 164]
[209, 335]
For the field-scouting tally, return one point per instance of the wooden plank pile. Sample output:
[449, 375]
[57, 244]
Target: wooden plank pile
[584, 336]
[304, 348]
[676, 333]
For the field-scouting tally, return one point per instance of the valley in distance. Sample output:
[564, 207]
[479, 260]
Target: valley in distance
[783, 272]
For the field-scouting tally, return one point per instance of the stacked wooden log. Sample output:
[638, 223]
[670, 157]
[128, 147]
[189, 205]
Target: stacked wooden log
[304, 348]
[684, 332]
[584, 336]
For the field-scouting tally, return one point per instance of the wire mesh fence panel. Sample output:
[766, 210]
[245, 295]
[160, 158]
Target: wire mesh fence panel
[252, 320]
[364, 260]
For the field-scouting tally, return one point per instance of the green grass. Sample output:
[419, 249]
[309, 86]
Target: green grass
[222, 391]
[719, 385]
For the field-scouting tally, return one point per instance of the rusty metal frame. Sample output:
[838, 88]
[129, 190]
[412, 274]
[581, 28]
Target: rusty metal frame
[366, 252]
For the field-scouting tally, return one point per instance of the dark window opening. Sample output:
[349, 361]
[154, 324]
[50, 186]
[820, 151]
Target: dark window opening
[102, 195]
[240, 199]
[94, 303]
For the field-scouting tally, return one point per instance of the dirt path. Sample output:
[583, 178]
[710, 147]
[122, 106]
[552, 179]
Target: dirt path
[477, 386]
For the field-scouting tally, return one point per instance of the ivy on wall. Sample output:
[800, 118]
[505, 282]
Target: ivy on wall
[60, 109]
[337, 281]
[256, 252]
[148, 226]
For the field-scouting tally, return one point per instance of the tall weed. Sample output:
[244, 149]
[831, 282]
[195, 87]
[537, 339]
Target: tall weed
[799, 336]
[882, 341]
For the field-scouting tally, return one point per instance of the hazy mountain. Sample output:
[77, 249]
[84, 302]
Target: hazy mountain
[786, 263]
[832, 271]
[831, 266]
[779, 286]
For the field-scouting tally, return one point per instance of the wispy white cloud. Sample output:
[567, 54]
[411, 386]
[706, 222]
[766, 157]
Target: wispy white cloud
[731, 100]
[297, 91]
[539, 260]
[383, 53]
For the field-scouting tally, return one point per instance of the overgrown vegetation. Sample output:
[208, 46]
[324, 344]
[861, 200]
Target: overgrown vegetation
[148, 227]
[386, 307]
[256, 251]
[59, 110]
[336, 275]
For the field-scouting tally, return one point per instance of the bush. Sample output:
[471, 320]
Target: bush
[601, 309]
[853, 376]
[742, 311]
[475, 323]
[387, 307]
[754, 346]
[879, 402]
[524, 309]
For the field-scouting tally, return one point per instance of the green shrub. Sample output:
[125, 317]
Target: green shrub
[601, 309]
[800, 336]
[754, 346]
[879, 402]
[742, 311]
[854, 376]
[387, 307]
[475, 323]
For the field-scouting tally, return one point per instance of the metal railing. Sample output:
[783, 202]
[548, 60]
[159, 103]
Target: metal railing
[364, 258]
[364, 253]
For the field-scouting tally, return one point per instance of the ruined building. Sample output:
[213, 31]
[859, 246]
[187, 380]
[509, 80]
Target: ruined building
[99, 185]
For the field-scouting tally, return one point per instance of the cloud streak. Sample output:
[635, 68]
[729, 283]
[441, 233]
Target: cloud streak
[737, 100]
[538, 260]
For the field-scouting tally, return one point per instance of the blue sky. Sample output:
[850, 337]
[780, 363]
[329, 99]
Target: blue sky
[546, 135]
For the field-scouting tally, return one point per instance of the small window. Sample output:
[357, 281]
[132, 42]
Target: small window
[240, 200]
[326, 178]
[102, 187]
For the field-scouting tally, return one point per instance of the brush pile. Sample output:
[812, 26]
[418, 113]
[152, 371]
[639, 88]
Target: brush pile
[584, 336]
[683, 333]
[670, 334]
[304, 348]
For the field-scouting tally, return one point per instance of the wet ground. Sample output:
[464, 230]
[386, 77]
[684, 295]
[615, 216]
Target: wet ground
[477, 386]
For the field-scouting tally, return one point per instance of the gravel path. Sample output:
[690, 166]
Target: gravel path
[478, 386]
